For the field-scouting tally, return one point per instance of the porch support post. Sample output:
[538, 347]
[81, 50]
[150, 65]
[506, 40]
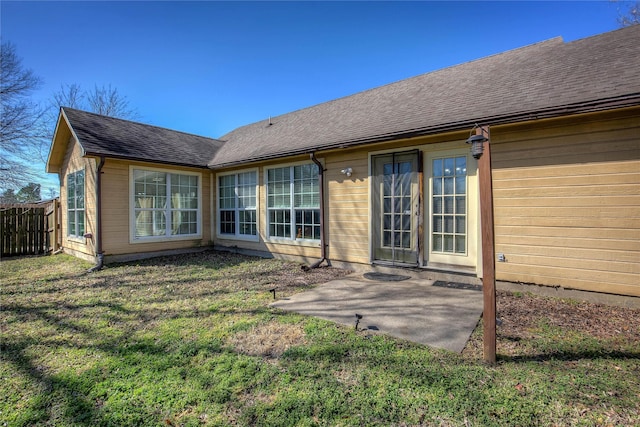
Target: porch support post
[488, 249]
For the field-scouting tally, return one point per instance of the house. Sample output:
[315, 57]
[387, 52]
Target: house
[385, 177]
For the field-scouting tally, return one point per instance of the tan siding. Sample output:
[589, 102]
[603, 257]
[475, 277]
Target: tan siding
[567, 204]
[348, 207]
[73, 162]
[116, 211]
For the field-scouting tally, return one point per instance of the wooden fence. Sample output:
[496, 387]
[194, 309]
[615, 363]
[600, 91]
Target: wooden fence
[30, 228]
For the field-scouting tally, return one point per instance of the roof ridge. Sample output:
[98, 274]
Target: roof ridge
[139, 123]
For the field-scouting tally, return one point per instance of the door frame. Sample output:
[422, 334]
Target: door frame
[376, 208]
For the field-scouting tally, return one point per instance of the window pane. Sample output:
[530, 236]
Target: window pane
[448, 167]
[247, 223]
[437, 167]
[460, 224]
[279, 188]
[437, 243]
[461, 166]
[280, 223]
[461, 205]
[437, 186]
[448, 205]
[183, 194]
[461, 244]
[305, 187]
[437, 205]
[80, 190]
[227, 222]
[71, 223]
[307, 224]
[159, 223]
[80, 226]
[461, 184]
[184, 222]
[448, 243]
[448, 186]
[71, 191]
[437, 224]
[448, 224]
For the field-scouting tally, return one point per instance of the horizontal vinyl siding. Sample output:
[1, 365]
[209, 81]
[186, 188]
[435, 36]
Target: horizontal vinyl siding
[116, 211]
[348, 207]
[567, 206]
[73, 162]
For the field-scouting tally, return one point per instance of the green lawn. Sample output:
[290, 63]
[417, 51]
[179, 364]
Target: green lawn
[191, 340]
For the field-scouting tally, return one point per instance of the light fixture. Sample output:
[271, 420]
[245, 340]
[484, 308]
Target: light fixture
[347, 171]
[477, 145]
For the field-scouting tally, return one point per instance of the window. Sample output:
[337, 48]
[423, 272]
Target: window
[293, 202]
[75, 204]
[449, 205]
[165, 204]
[237, 204]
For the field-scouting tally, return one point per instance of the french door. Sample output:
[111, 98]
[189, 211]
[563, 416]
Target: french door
[396, 207]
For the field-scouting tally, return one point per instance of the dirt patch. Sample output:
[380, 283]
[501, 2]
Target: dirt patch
[295, 279]
[267, 339]
[522, 316]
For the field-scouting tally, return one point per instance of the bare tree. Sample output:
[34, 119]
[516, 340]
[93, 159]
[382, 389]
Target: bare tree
[103, 100]
[630, 16]
[18, 118]
[108, 102]
[68, 96]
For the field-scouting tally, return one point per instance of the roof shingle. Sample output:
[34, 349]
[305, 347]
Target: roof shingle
[111, 137]
[551, 77]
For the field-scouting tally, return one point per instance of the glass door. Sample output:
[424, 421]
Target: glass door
[396, 204]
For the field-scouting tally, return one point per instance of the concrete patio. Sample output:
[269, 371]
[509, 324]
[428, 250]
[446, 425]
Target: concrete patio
[441, 315]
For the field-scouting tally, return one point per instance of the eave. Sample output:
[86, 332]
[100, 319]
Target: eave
[604, 104]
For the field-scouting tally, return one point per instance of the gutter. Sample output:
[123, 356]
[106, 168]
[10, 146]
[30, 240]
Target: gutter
[323, 247]
[99, 251]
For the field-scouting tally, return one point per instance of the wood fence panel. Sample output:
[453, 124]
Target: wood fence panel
[28, 229]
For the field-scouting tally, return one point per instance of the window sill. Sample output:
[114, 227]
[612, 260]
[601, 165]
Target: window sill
[77, 239]
[164, 239]
[236, 237]
[293, 242]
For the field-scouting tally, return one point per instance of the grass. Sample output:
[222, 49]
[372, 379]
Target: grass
[191, 340]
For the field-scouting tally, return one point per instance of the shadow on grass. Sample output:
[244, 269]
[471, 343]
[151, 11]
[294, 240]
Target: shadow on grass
[102, 313]
[78, 409]
[596, 354]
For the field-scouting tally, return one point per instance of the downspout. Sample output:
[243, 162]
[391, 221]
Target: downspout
[99, 251]
[323, 248]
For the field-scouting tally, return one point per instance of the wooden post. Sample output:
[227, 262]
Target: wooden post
[488, 249]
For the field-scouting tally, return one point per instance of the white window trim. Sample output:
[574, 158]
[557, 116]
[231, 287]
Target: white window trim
[469, 258]
[284, 240]
[237, 236]
[75, 237]
[132, 214]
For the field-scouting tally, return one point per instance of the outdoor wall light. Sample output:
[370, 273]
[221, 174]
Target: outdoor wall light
[347, 171]
[477, 145]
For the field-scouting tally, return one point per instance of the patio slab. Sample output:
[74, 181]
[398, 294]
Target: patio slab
[412, 309]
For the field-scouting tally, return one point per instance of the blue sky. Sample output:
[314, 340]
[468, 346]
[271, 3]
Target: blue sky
[208, 67]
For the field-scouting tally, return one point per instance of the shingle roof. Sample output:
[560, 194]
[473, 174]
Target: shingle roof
[542, 80]
[107, 136]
